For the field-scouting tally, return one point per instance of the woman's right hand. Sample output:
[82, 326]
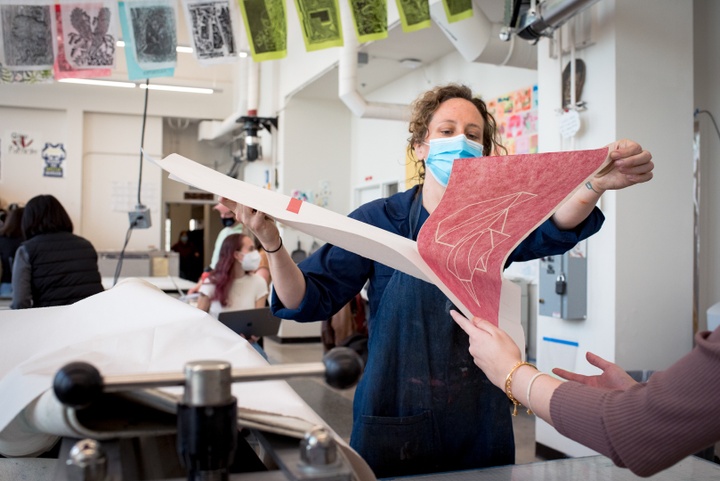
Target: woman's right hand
[260, 224]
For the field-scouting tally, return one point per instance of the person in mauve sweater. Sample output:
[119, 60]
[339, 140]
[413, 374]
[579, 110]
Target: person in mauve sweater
[645, 427]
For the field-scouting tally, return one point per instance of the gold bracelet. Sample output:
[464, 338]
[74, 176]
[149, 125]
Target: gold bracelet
[508, 385]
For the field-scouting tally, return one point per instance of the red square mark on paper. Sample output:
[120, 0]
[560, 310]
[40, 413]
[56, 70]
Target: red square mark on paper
[294, 205]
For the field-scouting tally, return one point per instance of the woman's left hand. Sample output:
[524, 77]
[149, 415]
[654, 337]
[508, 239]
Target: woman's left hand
[612, 376]
[629, 164]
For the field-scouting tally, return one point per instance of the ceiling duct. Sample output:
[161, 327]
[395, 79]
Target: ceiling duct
[478, 40]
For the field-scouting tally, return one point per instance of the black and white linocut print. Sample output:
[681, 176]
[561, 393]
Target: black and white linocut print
[210, 23]
[154, 30]
[89, 34]
[27, 36]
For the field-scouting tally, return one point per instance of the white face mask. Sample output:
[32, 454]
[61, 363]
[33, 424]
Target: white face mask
[251, 261]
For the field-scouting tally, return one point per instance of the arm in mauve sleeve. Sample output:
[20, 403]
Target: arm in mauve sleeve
[652, 425]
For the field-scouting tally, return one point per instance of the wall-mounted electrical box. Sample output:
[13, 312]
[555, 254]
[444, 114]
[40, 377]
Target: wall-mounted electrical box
[562, 284]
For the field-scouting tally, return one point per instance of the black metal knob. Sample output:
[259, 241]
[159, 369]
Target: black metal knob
[343, 367]
[78, 384]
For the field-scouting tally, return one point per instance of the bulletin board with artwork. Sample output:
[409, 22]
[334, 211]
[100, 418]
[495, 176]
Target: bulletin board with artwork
[516, 116]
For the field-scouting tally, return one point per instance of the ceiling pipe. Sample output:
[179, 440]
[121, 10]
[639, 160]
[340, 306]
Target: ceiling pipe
[253, 88]
[347, 78]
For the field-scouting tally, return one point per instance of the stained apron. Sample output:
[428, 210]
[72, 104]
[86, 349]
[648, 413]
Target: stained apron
[422, 405]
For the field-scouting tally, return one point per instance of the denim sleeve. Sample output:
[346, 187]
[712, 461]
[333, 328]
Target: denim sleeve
[21, 280]
[333, 276]
[548, 240]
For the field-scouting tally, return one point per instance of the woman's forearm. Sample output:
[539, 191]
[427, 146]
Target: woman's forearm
[577, 208]
[288, 281]
[538, 396]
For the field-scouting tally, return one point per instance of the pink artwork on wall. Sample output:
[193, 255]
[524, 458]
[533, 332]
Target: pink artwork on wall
[491, 204]
[516, 117]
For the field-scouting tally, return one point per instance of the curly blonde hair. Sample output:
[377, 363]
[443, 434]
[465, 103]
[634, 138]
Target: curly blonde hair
[423, 109]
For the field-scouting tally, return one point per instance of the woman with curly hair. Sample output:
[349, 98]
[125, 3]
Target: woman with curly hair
[421, 406]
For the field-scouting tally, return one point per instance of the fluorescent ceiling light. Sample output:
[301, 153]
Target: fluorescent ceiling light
[102, 83]
[177, 88]
[132, 85]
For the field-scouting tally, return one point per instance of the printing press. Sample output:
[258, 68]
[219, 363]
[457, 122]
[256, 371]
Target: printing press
[133, 431]
[153, 389]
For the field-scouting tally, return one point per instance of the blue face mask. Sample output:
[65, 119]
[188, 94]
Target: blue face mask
[443, 151]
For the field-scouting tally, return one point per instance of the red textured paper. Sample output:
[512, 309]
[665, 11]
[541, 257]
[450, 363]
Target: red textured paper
[491, 204]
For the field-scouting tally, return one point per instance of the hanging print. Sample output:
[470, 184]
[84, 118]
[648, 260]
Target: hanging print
[28, 36]
[266, 27]
[211, 27]
[149, 31]
[457, 9]
[64, 69]
[8, 76]
[89, 33]
[370, 19]
[414, 14]
[320, 23]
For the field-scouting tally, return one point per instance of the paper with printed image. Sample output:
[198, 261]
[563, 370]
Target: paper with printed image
[404, 254]
[491, 204]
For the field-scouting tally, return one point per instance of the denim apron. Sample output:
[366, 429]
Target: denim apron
[422, 405]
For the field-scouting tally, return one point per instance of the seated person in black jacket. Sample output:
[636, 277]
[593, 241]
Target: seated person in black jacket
[53, 267]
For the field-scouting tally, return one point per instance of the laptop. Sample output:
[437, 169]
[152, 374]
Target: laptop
[251, 322]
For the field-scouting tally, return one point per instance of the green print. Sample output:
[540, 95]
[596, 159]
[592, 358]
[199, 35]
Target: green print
[414, 14]
[266, 27]
[320, 21]
[457, 9]
[8, 76]
[370, 19]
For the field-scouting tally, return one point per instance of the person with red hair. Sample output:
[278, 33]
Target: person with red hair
[233, 285]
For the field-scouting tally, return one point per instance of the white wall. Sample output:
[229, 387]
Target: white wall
[21, 173]
[706, 81]
[316, 138]
[111, 169]
[639, 265]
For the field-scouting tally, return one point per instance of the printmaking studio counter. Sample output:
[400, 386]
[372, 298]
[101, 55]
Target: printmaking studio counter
[596, 468]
